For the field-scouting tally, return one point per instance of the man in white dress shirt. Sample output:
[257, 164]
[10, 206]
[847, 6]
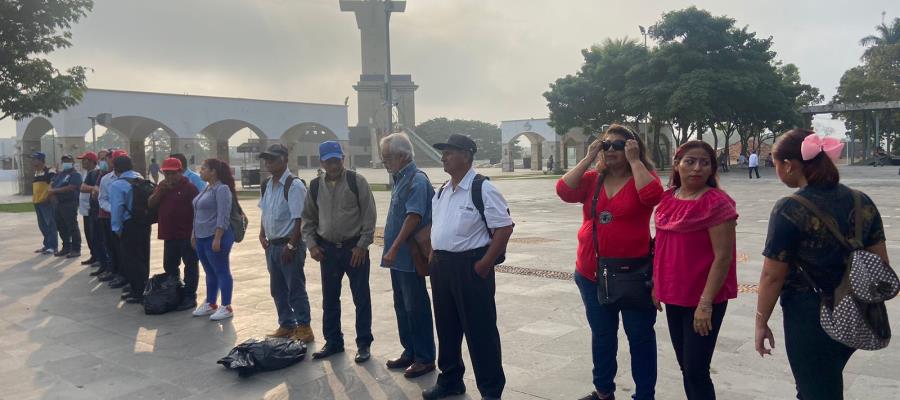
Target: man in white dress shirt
[753, 164]
[471, 227]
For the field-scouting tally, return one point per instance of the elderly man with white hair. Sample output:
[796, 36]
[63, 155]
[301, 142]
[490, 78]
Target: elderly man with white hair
[410, 213]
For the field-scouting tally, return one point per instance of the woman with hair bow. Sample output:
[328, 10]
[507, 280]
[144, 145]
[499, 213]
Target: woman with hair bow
[801, 253]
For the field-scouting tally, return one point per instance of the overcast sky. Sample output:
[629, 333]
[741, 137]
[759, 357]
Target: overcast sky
[475, 59]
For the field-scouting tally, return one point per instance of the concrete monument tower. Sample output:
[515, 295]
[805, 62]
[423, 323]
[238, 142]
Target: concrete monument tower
[373, 103]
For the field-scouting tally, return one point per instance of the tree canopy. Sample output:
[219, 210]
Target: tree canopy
[485, 134]
[29, 30]
[703, 74]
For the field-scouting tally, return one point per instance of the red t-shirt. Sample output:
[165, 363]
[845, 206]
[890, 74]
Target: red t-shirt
[626, 231]
[176, 211]
[684, 252]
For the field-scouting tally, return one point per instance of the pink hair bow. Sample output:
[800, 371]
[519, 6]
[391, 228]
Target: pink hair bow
[815, 144]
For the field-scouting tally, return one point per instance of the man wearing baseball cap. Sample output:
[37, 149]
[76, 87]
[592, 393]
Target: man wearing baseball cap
[89, 161]
[63, 189]
[173, 200]
[115, 273]
[43, 208]
[338, 227]
[470, 229]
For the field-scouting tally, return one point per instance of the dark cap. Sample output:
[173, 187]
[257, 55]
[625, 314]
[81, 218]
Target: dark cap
[458, 142]
[67, 157]
[274, 151]
[38, 156]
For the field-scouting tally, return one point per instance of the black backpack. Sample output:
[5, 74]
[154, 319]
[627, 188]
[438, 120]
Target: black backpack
[287, 186]
[351, 182]
[478, 201]
[141, 190]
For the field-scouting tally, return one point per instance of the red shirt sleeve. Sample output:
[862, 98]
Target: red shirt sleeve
[651, 194]
[579, 194]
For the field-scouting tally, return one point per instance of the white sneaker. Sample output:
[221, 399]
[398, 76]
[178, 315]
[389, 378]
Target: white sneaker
[205, 309]
[221, 313]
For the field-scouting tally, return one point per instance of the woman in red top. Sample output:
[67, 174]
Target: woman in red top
[629, 190]
[694, 267]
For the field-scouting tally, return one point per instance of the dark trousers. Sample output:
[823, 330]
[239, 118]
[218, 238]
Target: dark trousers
[413, 309]
[67, 225]
[174, 252]
[100, 252]
[88, 225]
[817, 361]
[335, 265]
[464, 305]
[135, 255]
[604, 323]
[694, 352]
[751, 170]
[113, 247]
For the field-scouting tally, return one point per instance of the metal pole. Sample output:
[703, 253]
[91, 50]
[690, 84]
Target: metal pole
[389, 95]
[94, 132]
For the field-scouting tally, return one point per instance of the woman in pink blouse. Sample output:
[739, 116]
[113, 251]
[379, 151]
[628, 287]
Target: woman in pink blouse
[694, 268]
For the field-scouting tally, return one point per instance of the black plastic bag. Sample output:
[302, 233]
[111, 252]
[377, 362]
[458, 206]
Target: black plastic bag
[270, 354]
[162, 294]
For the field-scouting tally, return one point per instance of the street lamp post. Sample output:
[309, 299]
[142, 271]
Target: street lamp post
[643, 33]
[389, 93]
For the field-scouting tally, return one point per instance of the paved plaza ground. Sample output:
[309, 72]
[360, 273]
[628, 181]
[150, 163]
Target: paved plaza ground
[63, 335]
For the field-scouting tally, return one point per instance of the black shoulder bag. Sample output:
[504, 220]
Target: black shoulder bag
[625, 283]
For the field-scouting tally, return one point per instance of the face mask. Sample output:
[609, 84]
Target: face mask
[67, 166]
[104, 166]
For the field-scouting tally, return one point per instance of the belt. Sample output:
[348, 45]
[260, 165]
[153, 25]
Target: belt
[474, 253]
[279, 241]
[347, 243]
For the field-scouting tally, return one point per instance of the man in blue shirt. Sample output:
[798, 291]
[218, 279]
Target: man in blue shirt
[410, 212]
[64, 193]
[134, 237]
[189, 173]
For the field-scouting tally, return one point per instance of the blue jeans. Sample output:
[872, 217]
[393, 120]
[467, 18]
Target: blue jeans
[413, 309]
[47, 224]
[287, 283]
[334, 266]
[604, 322]
[217, 267]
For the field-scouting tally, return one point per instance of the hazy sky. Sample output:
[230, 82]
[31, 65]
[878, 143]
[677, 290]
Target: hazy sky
[474, 59]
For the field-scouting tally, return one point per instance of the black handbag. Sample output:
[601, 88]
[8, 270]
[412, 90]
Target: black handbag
[624, 283]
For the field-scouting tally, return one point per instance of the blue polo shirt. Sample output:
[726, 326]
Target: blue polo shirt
[69, 177]
[411, 194]
[195, 179]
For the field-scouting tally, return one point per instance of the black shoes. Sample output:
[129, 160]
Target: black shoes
[134, 299]
[89, 261]
[596, 396]
[187, 303]
[118, 283]
[328, 350]
[363, 354]
[106, 277]
[62, 253]
[74, 254]
[98, 272]
[439, 392]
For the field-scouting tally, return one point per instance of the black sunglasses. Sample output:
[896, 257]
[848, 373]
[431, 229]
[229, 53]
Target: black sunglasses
[615, 145]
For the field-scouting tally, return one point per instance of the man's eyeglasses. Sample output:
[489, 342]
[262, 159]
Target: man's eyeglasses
[617, 145]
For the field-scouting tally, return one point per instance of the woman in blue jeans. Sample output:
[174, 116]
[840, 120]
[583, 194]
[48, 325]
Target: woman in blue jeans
[213, 237]
[625, 189]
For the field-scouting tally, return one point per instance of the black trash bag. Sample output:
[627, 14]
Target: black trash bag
[162, 294]
[270, 354]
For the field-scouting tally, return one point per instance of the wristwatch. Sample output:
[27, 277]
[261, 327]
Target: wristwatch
[291, 247]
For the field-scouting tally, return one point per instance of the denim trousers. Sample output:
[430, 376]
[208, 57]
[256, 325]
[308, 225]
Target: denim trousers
[604, 323]
[287, 284]
[47, 224]
[413, 309]
[67, 225]
[217, 267]
[335, 265]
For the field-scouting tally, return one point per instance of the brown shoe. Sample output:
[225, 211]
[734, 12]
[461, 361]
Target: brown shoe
[281, 332]
[303, 333]
[418, 369]
[398, 363]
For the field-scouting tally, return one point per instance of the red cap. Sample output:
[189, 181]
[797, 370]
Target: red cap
[118, 153]
[88, 155]
[171, 164]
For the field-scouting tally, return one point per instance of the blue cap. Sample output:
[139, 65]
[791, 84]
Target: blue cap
[329, 150]
[38, 155]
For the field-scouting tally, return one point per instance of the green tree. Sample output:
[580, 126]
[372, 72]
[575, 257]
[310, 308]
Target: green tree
[30, 29]
[486, 135]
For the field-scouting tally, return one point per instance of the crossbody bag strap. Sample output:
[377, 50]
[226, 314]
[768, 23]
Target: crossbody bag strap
[828, 220]
[858, 216]
[594, 222]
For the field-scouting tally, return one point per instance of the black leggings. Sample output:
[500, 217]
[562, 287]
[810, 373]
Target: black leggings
[694, 352]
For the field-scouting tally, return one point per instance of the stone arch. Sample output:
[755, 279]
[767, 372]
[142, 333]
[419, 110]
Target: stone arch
[135, 129]
[302, 141]
[218, 133]
[535, 162]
